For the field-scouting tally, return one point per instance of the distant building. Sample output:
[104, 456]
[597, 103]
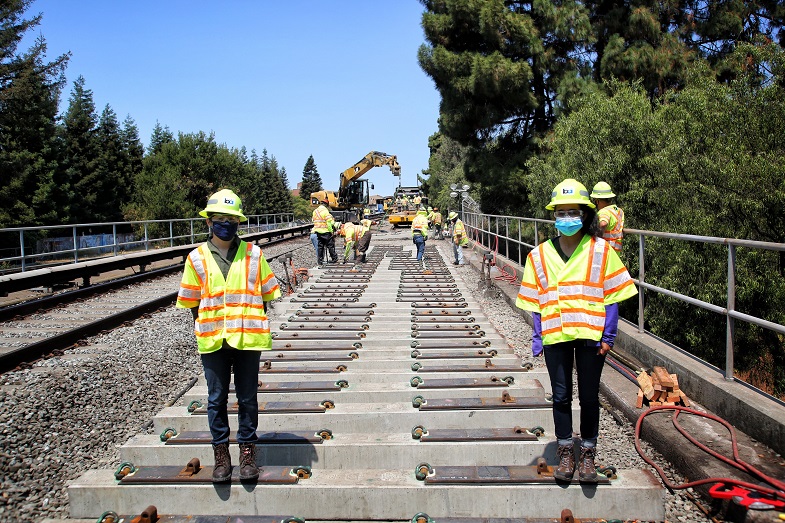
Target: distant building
[296, 192]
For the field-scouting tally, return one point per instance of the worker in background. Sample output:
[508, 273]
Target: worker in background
[325, 227]
[572, 285]
[366, 212]
[350, 232]
[610, 216]
[420, 231]
[417, 200]
[364, 240]
[436, 220]
[227, 284]
[459, 238]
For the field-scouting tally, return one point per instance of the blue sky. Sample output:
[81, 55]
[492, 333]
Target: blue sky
[335, 79]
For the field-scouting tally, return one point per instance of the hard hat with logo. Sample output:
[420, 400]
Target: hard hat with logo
[453, 215]
[569, 191]
[602, 191]
[224, 202]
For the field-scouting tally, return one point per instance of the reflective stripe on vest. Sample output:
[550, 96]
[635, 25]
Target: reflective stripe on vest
[615, 235]
[233, 308]
[460, 230]
[572, 309]
[320, 219]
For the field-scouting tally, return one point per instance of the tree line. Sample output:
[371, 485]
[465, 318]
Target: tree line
[85, 167]
[680, 106]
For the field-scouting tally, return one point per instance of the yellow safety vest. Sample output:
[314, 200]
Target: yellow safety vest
[420, 225]
[459, 231]
[323, 221]
[613, 233]
[230, 309]
[436, 218]
[351, 232]
[571, 297]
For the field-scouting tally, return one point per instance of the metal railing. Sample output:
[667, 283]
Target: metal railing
[493, 232]
[133, 236]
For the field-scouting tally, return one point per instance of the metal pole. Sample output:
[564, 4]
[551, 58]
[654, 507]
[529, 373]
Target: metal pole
[22, 248]
[729, 322]
[536, 235]
[520, 246]
[171, 235]
[146, 242]
[114, 237]
[641, 273]
[507, 237]
[76, 246]
[191, 223]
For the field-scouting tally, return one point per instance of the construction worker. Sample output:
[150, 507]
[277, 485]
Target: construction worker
[572, 285]
[227, 284]
[325, 227]
[459, 238]
[351, 233]
[436, 220]
[610, 216]
[364, 240]
[417, 200]
[420, 231]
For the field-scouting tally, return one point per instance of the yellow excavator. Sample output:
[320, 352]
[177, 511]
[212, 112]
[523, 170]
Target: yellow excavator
[353, 192]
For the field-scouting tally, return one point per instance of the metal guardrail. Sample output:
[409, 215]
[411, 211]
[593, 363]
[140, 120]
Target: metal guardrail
[180, 231]
[493, 233]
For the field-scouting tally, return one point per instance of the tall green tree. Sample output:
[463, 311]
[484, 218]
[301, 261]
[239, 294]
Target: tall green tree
[80, 174]
[312, 182]
[161, 135]
[112, 187]
[29, 91]
[500, 67]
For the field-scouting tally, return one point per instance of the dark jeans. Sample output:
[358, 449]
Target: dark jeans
[419, 241]
[218, 368]
[559, 360]
[327, 241]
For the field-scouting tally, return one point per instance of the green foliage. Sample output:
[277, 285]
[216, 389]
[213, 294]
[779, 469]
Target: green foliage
[707, 160]
[312, 182]
[301, 209]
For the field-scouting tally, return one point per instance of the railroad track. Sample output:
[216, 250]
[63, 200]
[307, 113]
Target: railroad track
[49, 325]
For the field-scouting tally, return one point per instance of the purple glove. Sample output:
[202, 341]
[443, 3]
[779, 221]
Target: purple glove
[536, 334]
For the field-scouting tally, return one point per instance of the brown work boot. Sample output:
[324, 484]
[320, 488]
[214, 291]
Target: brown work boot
[248, 468]
[587, 472]
[566, 469]
[222, 471]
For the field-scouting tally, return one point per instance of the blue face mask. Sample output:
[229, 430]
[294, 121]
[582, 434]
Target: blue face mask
[225, 230]
[569, 226]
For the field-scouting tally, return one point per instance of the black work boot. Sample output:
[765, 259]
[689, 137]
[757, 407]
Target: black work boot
[222, 472]
[248, 468]
[566, 469]
[587, 472]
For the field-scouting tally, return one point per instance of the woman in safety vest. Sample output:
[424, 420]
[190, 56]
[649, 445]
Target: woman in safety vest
[572, 285]
[226, 284]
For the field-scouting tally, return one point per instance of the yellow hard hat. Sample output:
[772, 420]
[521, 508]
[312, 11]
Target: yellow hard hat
[601, 191]
[366, 223]
[569, 191]
[452, 215]
[224, 202]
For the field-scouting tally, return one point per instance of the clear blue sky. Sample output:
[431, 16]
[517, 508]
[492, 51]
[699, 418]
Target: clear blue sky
[335, 79]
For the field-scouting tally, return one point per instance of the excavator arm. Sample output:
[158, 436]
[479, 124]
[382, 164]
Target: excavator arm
[368, 162]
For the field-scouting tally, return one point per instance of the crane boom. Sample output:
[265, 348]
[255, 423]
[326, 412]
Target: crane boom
[368, 162]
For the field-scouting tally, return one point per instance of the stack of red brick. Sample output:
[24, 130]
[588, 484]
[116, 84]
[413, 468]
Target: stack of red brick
[660, 388]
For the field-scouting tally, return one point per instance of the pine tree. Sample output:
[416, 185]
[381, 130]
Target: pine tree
[80, 163]
[312, 182]
[29, 89]
[500, 68]
[132, 159]
[160, 136]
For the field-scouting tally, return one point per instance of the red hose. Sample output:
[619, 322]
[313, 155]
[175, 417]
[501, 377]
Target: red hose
[779, 487]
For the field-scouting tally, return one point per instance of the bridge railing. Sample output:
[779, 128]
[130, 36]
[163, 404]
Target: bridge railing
[513, 237]
[26, 248]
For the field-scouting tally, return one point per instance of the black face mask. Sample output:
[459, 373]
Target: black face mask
[225, 230]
